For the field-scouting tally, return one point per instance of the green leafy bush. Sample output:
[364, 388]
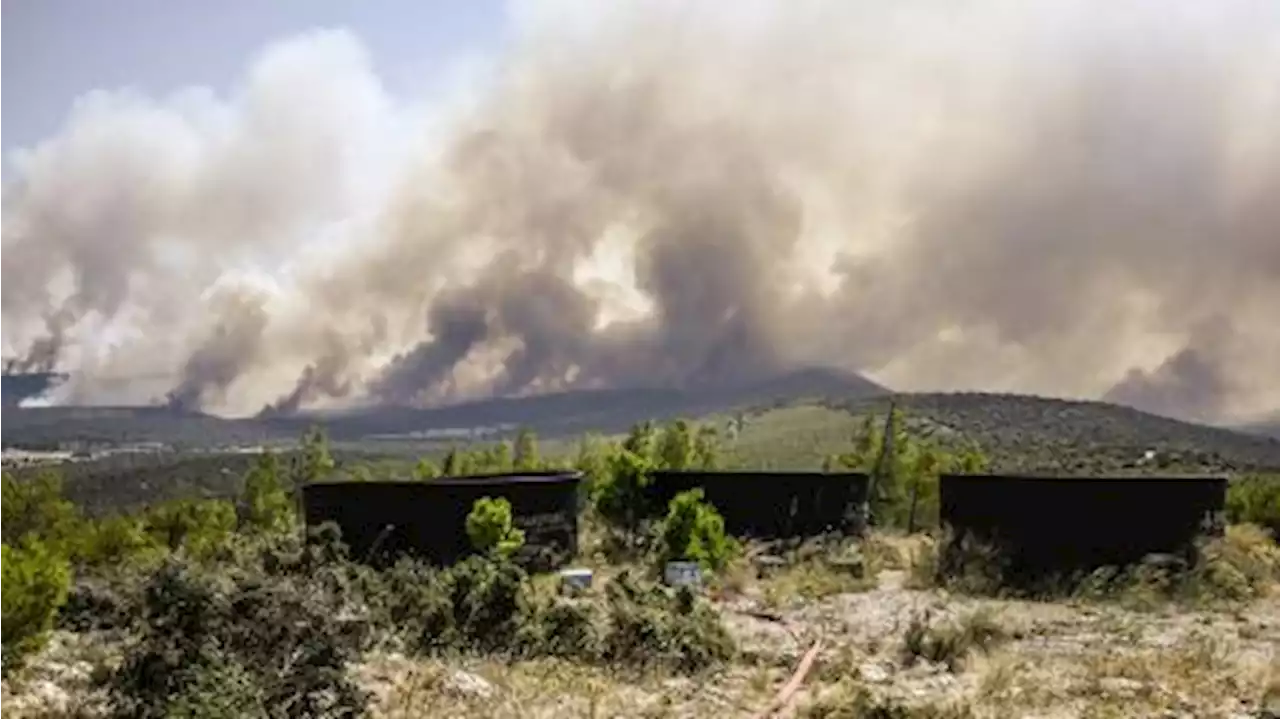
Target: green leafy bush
[1255, 500]
[35, 508]
[621, 498]
[35, 583]
[694, 531]
[490, 528]
[198, 526]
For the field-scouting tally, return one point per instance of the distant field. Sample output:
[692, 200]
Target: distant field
[791, 438]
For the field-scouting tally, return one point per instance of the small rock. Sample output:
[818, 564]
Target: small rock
[469, 685]
[1120, 686]
[874, 673]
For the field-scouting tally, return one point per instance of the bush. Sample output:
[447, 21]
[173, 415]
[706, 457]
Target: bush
[650, 624]
[950, 643]
[35, 509]
[694, 531]
[221, 646]
[35, 583]
[1241, 565]
[488, 605]
[489, 527]
[1255, 500]
[621, 498]
[198, 526]
[114, 541]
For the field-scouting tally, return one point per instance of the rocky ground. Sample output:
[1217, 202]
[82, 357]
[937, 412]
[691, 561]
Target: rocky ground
[1012, 659]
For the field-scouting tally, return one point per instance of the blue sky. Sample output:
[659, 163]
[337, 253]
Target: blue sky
[56, 50]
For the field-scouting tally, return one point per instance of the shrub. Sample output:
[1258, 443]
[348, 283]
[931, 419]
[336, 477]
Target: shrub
[215, 645]
[198, 526]
[35, 508]
[650, 624]
[621, 498]
[35, 584]
[489, 527]
[1241, 565]
[694, 531]
[1255, 500]
[951, 642]
[114, 541]
[488, 605]
[568, 628]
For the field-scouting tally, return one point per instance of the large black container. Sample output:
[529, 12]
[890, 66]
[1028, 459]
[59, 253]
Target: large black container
[1054, 525]
[381, 521]
[773, 504]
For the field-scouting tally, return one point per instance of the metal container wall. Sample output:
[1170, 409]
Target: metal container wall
[381, 521]
[772, 504]
[1048, 525]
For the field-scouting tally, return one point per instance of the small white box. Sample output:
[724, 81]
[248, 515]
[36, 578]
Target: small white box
[576, 579]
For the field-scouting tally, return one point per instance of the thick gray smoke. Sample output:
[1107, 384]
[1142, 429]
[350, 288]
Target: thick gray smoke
[1060, 197]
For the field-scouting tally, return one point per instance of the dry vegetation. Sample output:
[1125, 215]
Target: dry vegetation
[895, 639]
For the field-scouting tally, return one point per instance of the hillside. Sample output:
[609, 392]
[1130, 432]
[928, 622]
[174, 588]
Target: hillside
[1018, 433]
[1024, 433]
[551, 415]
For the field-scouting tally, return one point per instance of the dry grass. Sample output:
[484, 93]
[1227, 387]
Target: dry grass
[560, 690]
[950, 642]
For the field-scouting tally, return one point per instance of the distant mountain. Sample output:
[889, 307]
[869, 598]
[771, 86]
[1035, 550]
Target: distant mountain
[551, 415]
[609, 410]
[1266, 427]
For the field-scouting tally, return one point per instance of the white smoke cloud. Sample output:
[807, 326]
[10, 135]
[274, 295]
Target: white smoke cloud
[1053, 197]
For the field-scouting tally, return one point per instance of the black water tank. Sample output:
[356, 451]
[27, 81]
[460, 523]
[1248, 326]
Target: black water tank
[381, 521]
[772, 504]
[1056, 524]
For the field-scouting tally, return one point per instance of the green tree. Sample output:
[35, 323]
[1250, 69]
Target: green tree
[675, 446]
[490, 527]
[35, 580]
[593, 462]
[694, 531]
[198, 526]
[707, 447]
[425, 469]
[36, 508]
[267, 504]
[114, 541]
[315, 461]
[642, 441]
[622, 499]
[453, 463]
[526, 451]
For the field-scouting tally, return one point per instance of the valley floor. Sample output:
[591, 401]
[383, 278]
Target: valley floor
[1052, 660]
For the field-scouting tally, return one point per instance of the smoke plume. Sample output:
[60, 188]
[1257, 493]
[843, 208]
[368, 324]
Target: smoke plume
[1061, 197]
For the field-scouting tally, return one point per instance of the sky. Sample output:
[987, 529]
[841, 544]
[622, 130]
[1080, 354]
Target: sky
[54, 51]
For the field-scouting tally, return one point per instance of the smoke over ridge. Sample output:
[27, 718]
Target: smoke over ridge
[1060, 197]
